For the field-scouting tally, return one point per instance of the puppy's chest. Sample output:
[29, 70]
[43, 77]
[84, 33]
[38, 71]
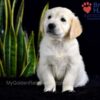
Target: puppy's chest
[58, 52]
[58, 60]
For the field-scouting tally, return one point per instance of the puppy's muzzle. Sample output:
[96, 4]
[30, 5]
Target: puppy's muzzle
[51, 28]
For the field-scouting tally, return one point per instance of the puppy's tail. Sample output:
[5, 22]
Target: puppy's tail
[39, 83]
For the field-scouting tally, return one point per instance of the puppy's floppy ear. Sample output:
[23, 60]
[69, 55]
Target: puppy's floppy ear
[76, 28]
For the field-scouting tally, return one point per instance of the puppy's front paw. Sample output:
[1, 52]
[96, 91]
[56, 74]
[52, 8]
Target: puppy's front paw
[50, 88]
[68, 88]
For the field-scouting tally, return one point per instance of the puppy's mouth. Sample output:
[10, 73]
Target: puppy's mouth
[51, 32]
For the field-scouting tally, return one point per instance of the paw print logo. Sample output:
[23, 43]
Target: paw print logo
[87, 7]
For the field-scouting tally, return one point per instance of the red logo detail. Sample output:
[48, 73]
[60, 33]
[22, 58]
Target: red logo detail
[87, 7]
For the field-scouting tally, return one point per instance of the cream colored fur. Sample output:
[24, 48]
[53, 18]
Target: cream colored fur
[60, 58]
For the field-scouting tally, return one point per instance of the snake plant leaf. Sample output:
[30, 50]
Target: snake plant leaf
[1, 16]
[2, 73]
[29, 70]
[10, 42]
[6, 15]
[10, 53]
[31, 54]
[40, 34]
[19, 17]
[21, 50]
[1, 50]
[12, 14]
[9, 11]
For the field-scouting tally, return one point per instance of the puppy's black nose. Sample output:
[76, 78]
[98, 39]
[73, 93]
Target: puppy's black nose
[51, 26]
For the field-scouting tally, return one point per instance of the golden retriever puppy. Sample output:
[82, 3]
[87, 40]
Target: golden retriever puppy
[60, 58]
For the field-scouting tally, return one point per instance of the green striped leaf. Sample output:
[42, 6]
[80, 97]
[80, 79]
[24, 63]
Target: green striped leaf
[21, 51]
[29, 70]
[19, 17]
[40, 34]
[6, 15]
[12, 14]
[1, 50]
[9, 16]
[10, 42]
[2, 73]
[1, 16]
[10, 53]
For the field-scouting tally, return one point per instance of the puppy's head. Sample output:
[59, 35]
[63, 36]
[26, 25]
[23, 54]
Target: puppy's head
[61, 22]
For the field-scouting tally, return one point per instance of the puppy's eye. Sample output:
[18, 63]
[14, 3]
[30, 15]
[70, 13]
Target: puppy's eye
[63, 19]
[49, 16]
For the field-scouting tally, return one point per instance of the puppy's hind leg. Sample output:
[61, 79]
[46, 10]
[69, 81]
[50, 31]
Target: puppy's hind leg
[82, 78]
